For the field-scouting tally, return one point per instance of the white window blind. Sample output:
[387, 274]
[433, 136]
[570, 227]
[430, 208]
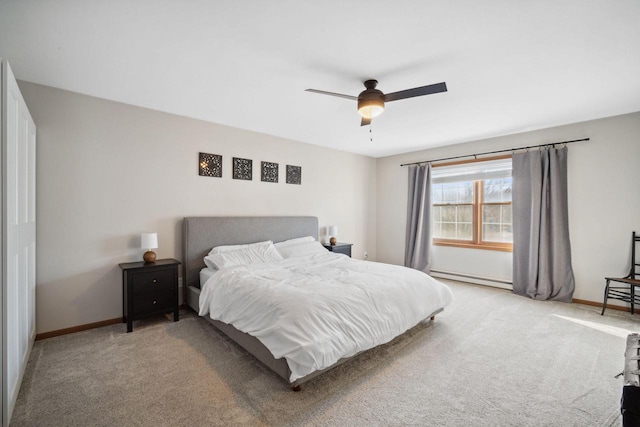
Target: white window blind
[490, 169]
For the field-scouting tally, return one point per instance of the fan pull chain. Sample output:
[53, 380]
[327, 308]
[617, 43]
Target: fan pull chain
[370, 132]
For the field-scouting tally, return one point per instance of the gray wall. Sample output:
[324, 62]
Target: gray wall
[604, 207]
[108, 171]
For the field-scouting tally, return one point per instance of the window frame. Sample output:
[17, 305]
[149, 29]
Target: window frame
[476, 241]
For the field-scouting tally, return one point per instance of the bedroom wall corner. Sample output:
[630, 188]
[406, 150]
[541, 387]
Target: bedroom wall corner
[603, 179]
[109, 171]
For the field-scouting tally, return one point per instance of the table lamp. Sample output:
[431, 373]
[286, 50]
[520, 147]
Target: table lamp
[333, 233]
[149, 241]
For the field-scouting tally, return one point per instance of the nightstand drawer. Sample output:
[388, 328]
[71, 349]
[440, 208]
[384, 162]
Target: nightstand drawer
[155, 301]
[158, 280]
[343, 249]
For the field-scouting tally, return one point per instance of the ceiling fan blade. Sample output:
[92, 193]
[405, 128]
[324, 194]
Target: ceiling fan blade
[339, 95]
[365, 121]
[416, 91]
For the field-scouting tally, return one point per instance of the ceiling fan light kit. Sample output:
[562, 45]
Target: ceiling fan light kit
[370, 108]
[371, 100]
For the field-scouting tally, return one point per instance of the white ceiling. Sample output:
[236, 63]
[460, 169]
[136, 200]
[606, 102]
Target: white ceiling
[510, 66]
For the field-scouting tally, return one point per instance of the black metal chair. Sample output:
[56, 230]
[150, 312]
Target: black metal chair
[626, 292]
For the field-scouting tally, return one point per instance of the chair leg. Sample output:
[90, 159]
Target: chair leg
[633, 296]
[606, 296]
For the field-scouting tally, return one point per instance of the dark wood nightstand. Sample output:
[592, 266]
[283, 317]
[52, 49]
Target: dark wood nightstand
[339, 248]
[149, 288]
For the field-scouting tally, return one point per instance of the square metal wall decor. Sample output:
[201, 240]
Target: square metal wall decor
[294, 174]
[210, 165]
[242, 169]
[269, 172]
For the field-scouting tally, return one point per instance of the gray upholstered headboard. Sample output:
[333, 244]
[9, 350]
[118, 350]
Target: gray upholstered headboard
[200, 234]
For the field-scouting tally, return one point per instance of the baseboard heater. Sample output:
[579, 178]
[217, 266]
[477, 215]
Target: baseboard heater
[470, 278]
[630, 402]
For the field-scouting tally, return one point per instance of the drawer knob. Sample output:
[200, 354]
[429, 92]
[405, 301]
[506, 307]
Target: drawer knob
[155, 281]
[154, 301]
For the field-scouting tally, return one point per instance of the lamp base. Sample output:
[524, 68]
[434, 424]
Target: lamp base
[333, 241]
[149, 256]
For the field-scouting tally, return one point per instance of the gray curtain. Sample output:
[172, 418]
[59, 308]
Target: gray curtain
[541, 250]
[418, 240]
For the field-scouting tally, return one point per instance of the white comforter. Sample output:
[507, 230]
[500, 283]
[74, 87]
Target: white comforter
[314, 310]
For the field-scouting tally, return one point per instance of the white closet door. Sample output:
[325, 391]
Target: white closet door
[19, 238]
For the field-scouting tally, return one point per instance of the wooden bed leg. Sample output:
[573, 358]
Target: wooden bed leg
[433, 317]
[296, 387]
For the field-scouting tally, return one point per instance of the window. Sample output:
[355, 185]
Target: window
[453, 210]
[472, 205]
[496, 210]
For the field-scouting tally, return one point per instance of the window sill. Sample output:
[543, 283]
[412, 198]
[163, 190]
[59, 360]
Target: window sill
[501, 247]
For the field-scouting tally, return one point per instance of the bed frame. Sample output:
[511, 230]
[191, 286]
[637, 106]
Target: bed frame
[200, 234]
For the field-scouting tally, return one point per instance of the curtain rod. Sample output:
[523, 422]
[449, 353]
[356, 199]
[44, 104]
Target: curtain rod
[497, 151]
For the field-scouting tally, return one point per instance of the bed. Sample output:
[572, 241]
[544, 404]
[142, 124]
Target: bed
[203, 233]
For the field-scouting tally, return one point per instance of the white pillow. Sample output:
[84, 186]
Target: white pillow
[294, 242]
[229, 248]
[249, 255]
[302, 249]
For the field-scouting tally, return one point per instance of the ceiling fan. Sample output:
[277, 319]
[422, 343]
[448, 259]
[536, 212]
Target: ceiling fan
[371, 100]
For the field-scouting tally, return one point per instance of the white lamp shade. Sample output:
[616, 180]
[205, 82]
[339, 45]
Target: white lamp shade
[333, 231]
[370, 111]
[149, 240]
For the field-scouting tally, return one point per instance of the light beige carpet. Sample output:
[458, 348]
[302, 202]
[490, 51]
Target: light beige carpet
[491, 359]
